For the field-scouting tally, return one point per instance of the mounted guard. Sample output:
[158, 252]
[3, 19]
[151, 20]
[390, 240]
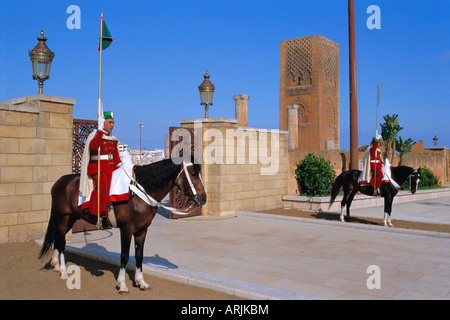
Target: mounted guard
[377, 178]
[374, 168]
[132, 214]
[100, 159]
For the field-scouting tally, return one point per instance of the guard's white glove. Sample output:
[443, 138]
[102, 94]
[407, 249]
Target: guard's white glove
[101, 123]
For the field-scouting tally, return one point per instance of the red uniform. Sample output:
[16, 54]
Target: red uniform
[109, 158]
[375, 165]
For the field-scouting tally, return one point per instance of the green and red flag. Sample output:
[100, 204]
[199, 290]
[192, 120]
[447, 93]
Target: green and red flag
[105, 36]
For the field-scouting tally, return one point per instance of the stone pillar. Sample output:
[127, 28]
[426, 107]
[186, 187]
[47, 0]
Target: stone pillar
[166, 145]
[36, 150]
[292, 125]
[241, 103]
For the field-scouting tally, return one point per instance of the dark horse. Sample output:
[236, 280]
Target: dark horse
[133, 217]
[349, 181]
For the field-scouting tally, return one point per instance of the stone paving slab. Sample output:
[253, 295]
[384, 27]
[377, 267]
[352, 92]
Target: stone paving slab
[261, 257]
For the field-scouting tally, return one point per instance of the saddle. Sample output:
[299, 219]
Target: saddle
[386, 169]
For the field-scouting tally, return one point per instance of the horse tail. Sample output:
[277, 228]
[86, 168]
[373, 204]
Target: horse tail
[49, 235]
[336, 187]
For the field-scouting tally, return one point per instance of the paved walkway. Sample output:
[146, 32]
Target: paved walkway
[428, 211]
[267, 257]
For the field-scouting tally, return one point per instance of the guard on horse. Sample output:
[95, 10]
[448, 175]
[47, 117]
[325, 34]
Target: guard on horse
[97, 171]
[132, 216]
[373, 171]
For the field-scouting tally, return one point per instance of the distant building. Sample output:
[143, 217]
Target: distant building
[147, 156]
[123, 147]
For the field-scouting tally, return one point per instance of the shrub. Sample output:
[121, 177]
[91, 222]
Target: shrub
[315, 176]
[427, 178]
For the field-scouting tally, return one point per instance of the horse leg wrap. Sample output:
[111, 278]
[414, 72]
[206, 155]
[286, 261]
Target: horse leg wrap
[387, 220]
[121, 282]
[139, 278]
[62, 267]
[55, 261]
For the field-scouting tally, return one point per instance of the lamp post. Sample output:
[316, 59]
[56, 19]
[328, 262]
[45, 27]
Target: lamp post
[140, 125]
[41, 60]
[206, 89]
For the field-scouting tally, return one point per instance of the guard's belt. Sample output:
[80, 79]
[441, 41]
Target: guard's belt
[108, 156]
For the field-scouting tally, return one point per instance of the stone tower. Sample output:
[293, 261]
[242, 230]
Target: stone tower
[309, 78]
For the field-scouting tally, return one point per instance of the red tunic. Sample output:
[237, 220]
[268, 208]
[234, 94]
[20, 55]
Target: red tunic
[109, 158]
[375, 164]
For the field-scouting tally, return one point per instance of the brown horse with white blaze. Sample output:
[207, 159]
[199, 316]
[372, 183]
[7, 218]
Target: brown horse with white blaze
[133, 217]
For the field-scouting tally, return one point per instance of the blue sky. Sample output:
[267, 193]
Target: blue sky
[161, 49]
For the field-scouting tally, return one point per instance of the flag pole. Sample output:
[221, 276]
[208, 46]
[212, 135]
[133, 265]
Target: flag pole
[376, 137]
[378, 100]
[100, 107]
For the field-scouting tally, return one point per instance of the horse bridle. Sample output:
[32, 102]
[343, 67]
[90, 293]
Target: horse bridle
[410, 176]
[196, 202]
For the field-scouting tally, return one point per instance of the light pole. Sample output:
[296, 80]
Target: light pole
[206, 89]
[41, 60]
[140, 125]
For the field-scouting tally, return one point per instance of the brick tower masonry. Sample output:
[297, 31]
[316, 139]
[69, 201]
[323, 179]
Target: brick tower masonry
[309, 79]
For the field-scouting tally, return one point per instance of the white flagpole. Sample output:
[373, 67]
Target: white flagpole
[100, 114]
[376, 138]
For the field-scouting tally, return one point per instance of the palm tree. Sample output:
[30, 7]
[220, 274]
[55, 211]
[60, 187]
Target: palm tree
[403, 147]
[389, 130]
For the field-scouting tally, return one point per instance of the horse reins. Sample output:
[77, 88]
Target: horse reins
[140, 191]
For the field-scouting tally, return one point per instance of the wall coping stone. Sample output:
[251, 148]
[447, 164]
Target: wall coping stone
[40, 97]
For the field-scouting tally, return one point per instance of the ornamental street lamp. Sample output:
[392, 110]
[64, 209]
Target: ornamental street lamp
[206, 90]
[435, 140]
[41, 60]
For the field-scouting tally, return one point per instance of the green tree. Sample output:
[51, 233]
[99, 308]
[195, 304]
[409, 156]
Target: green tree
[389, 130]
[403, 147]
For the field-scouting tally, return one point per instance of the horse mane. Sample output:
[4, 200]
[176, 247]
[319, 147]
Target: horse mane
[156, 175]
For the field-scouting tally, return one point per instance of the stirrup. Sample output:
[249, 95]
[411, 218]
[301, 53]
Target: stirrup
[103, 223]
